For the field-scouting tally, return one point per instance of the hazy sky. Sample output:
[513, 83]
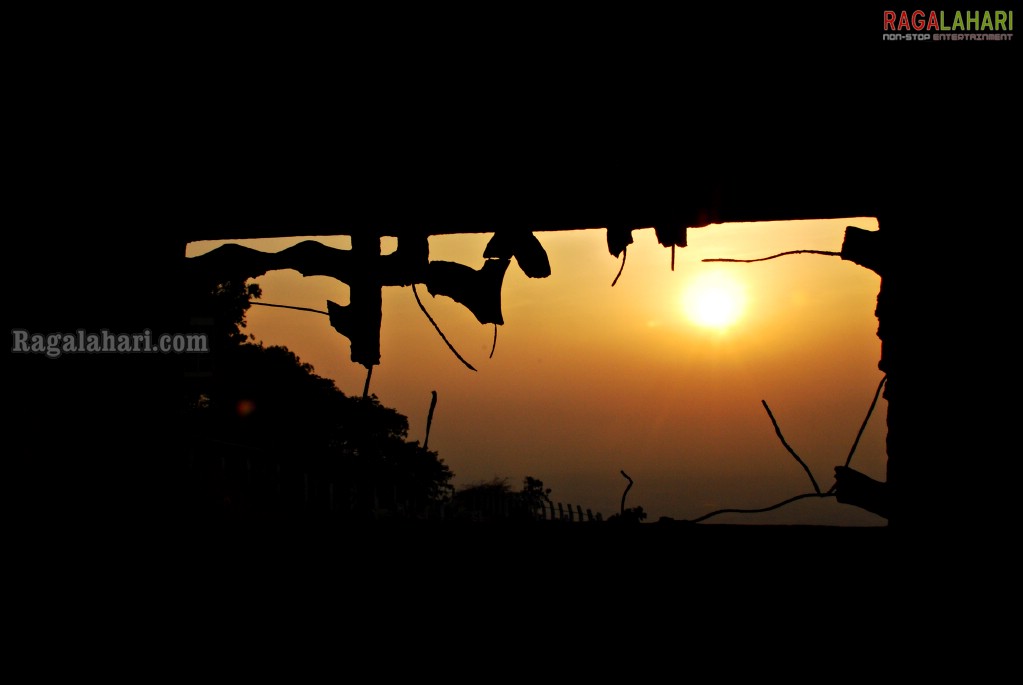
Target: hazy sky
[589, 379]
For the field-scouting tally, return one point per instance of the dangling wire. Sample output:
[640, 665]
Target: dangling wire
[817, 493]
[780, 254]
[365, 388]
[624, 494]
[791, 451]
[429, 419]
[863, 426]
[439, 331]
[288, 306]
[494, 346]
[762, 510]
[625, 253]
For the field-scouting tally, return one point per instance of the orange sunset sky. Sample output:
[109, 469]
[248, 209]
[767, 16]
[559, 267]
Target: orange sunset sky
[661, 376]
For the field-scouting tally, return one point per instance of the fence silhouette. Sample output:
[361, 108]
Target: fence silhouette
[243, 481]
[559, 512]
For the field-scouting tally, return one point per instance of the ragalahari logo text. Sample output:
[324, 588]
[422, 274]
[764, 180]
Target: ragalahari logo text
[942, 25]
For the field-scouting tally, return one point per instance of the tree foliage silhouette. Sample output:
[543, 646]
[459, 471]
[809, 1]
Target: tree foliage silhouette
[495, 500]
[629, 515]
[534, 494]
[263, 404]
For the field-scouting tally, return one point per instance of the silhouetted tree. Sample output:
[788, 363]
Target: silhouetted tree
[534, 495]
[264, 406]
[495, 500]
[485, 501]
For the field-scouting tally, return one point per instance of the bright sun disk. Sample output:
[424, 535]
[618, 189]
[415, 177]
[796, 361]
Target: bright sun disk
[713, 300]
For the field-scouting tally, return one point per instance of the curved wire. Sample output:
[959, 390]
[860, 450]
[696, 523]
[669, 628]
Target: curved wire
[775, 256]
[439, 331]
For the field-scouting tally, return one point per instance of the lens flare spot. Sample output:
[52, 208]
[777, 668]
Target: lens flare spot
[245, 407]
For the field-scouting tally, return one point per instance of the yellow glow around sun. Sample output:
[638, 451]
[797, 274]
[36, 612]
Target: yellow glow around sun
[714, 300]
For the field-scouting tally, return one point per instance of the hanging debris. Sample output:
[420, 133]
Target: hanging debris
[865, 248]
[479, 291]
[524, 247]
[625, 253]
[366, 272]
[675, 236]
[618, 238]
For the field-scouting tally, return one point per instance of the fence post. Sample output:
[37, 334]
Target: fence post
[561, 512]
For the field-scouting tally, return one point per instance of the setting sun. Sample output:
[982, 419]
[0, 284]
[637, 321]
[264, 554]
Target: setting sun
[713, 300]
